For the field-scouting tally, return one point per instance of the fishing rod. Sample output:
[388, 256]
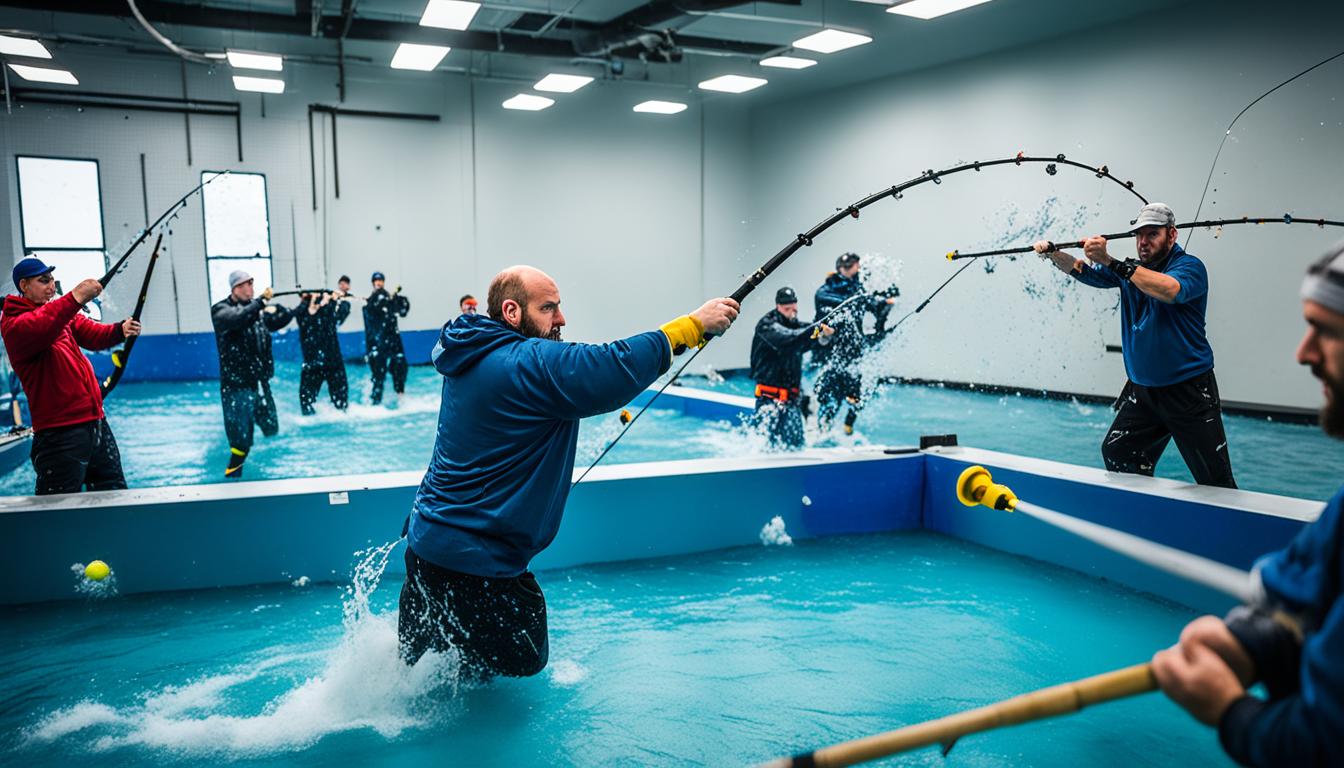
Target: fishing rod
[852, 211]
[975, 487]
[1227, 133]
[181, 203]
[121, 356]
[1286, 218]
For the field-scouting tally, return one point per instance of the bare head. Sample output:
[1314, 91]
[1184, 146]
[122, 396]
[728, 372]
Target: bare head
[527, 300]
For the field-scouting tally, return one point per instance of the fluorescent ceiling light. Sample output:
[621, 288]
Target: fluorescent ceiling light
[449, 14]
[259, 84]
[929, 9]
[420, 57]
[244, 60]
[528, 102]
[787, 62]
[22, 46]
[554, 83]
[656, 107]
[733, 83]
[44, 75]
[831, 40]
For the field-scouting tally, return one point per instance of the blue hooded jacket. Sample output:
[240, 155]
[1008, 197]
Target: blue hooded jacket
[1305, 727]
[508, 427]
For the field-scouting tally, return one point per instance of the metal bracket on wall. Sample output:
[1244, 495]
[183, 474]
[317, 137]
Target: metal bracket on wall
[341, 112]
[90, 100]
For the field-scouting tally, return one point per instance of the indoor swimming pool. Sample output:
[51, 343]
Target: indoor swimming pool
[172, 433]
[726, 657]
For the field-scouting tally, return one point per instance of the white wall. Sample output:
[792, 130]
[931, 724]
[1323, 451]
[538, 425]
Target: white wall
[1150, 98]
[607, 200]
[641, 217]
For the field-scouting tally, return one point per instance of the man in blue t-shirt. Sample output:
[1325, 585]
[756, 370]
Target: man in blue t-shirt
[1292, 638]
[1171, 392]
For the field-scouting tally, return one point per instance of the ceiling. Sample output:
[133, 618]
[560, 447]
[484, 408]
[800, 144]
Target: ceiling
[683, 41]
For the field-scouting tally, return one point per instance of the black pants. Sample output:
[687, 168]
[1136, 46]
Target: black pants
[380, 363]
[310, 383]
[836, 386]
[1147, 418]
[782, 421]
[77, 457]
[497, 624]
[245, 407]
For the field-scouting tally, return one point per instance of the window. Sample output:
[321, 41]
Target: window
[61, 211]
[237, 230]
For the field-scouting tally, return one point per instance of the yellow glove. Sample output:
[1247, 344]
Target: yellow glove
[683, 332]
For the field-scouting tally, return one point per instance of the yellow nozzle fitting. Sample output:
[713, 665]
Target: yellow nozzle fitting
[975, 487]
[951, 255]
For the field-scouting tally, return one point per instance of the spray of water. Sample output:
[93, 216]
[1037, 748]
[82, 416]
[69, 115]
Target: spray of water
[359, 684]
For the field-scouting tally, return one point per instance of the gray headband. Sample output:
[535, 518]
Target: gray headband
[1325, 280]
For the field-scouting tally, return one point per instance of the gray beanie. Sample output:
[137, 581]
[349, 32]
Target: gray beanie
[1325, 280]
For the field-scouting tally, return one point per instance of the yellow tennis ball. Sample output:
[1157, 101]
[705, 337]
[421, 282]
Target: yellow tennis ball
[97, 570]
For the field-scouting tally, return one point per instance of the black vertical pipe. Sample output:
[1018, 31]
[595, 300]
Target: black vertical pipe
[312, 157]
[144, 188]
[186, 116]
[335, 161]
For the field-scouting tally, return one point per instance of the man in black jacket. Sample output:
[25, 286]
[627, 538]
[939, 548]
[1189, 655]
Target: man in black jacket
[777, 367]
[243, 326]
[317, 317]
[840, 381]
[382, 339]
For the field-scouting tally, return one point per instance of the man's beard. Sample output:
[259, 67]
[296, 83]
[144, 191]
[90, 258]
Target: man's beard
[531, 330]
[1332, 413]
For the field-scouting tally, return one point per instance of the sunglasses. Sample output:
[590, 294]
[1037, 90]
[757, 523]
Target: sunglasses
[45, 279]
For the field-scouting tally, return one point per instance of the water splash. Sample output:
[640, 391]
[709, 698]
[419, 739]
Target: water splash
[98, 590]
[359, 684]
[774, 535]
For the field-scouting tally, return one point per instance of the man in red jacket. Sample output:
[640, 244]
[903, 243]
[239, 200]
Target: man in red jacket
[73, 447]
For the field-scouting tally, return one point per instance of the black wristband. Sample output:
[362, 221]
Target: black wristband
[1123, 269]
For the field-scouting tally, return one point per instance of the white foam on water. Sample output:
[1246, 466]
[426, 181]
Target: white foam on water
[327, 414]
[86, 587]
[361, 683]
[566, 672]
[774, 535]
[302, 581]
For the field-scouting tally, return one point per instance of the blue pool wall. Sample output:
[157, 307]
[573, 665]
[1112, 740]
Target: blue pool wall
[196, 537]
[193, 356]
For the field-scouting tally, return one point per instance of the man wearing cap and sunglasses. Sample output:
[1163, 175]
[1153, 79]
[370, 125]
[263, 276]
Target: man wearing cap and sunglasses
[777, 367]
[382, 338]
[73, 446]
[1171, 391]
[243, 326]
[467, 305]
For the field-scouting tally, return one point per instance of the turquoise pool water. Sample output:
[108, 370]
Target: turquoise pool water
[721, 658]
[1269, 456]
[173, 434]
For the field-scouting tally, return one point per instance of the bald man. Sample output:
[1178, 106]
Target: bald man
[513, 395]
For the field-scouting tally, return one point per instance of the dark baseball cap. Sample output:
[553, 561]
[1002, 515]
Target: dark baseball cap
[786, 295]
[846, 260]
[29, 266]
[377, 276]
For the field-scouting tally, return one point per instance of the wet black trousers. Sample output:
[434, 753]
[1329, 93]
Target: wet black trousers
[310, 383]
[834, 388]
[782, 421]
[77, 457]
[244, 407]
[1147, 418]
[382, 363]
[497, 624]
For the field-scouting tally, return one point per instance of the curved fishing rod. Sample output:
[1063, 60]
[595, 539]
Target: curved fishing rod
[806, 239]
[181, 202]
[1284, 219]
[1228, 132]
[121, 356]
